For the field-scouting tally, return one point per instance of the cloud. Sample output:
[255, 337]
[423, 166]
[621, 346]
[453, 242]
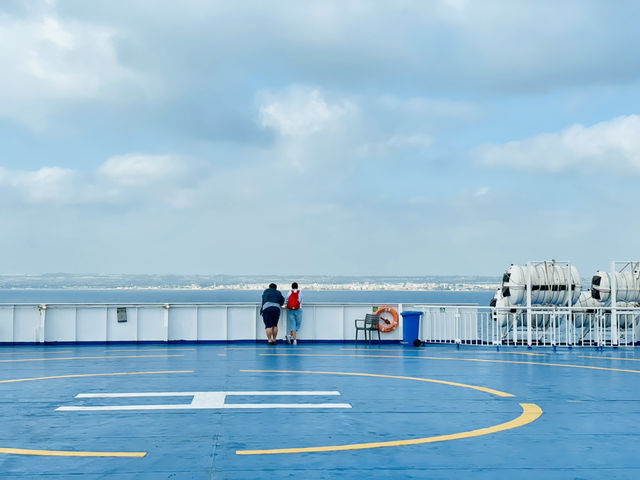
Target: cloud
[47, 59]
[481, 192]
[311, 132]
[318, 130]
[142, 170]
[121, 180]
[54, 58]
[612, 145]
[45, 185]
[300, 111]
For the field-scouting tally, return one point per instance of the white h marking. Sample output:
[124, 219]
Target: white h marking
[202, 400]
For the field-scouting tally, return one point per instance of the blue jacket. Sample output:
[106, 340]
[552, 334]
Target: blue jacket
[272, 295]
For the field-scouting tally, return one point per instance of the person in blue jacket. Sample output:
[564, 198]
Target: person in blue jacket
[272, 300]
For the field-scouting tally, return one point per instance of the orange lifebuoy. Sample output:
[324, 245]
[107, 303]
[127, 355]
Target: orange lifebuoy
[387, 324]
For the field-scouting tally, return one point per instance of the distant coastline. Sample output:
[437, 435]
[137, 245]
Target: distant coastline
[246, 282]
[412, 287]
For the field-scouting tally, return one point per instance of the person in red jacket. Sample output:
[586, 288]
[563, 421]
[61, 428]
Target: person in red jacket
[294, 312]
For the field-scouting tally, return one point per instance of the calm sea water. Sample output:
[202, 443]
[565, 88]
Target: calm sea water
[229, 296]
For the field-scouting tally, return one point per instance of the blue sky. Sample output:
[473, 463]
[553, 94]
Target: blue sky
[321, 137]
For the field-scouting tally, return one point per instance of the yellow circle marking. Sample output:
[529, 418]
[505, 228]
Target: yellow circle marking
[64, 453]
[409, 356]
[530, 413]
[487, 360]
[71, 453]
[80, 375]
[142, 350]
[379, 375]
[31, 353]
[610, 358]
[253, 349]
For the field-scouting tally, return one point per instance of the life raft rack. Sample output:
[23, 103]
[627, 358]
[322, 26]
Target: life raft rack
[388, 318]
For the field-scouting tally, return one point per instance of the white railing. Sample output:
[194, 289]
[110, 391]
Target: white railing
[454, 324]
[537, 326]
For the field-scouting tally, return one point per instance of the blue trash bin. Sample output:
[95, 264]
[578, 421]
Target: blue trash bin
[411, 328]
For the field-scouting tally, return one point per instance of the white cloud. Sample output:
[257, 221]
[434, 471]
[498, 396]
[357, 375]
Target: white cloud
[300, 111]
[45, 185]
[613, 145]
[140, 170]
[121, 180]
[45, 59]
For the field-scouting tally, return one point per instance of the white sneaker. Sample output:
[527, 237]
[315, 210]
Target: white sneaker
[295, 341]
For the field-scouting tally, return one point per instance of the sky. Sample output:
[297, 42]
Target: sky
[324, 137]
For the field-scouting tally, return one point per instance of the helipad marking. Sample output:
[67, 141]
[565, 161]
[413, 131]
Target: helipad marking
[413, 351]
[253, 349]
[524, 353]
[141, 350]
[80, 375]
[610, 358]
[202, 401]
[530, 412]
[31, 353]
[86, 358]
[379, 375]
[69, 453]
[72, 453]
[487, 360]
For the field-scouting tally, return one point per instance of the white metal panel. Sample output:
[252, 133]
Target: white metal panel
[60, 324]
[26, 323]
[242, 323]
[91, 324]
[183, 323]
[212, 323]
[6, 324]
[151, 323]
[328, 322]
[125, 331]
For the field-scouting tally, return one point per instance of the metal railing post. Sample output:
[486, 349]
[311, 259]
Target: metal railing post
[529, 304]
[614, 302]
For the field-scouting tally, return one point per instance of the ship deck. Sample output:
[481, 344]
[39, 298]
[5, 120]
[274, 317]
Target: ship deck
[312, 411]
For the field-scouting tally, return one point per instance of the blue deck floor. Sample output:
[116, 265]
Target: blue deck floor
[378, 418]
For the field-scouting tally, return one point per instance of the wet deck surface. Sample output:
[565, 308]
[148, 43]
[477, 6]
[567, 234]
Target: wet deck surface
[318, 411]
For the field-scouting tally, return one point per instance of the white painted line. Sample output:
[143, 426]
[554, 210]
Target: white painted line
[203, 400]
[144, 394]
[287, 405]
[298, 392]
[203, 407]
[124, 407]
[191, 394]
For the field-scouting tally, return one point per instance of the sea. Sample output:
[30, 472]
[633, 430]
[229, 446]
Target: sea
[137, 295]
